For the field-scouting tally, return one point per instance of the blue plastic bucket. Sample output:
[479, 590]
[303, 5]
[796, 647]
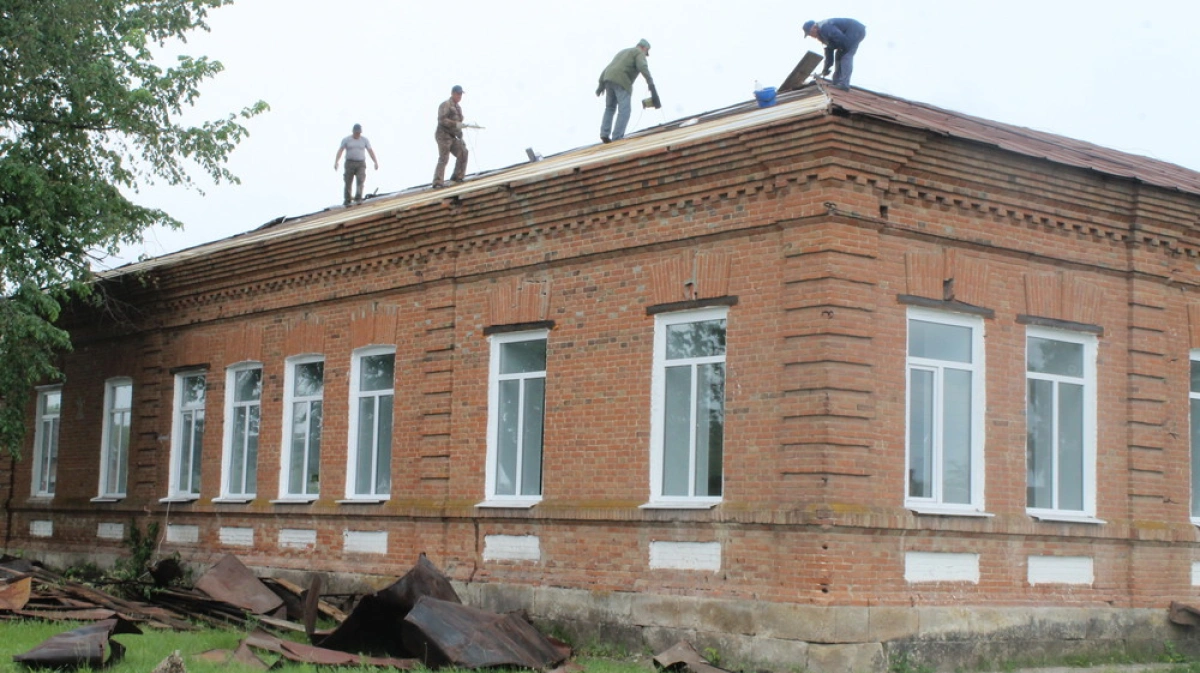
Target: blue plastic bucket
[765, 96]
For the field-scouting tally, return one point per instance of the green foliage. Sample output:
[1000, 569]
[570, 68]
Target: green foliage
[86, 112]
[903, 662]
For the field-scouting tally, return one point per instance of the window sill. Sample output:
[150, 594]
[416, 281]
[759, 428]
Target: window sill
[362, 501]
[1064, 517]
[227, 500]
[294, 501]
[695, 504]
[179, 498]
[108, 498]
[936, 510]
[515, 503]
[41, 498]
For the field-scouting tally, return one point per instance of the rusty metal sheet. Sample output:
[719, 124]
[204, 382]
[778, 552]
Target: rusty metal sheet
[243, 655]
[310, 654]
[1183, 614]
[15, 594]
[803, 69]
[375, 624]
[92, 615]
[89, 645]
[446, 633]
[683, 657]
[230, 581]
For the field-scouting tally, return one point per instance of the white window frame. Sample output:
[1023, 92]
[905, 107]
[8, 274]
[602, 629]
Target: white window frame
[978, 368]
[45, 444]
[180, 413]
[289, 402]
[1090, 345]
[107, 493]
[658, 383]
[1194, 441]
[352, 442]
[247, 490]
[497, 341]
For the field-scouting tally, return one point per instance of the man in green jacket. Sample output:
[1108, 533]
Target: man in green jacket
[616, 82]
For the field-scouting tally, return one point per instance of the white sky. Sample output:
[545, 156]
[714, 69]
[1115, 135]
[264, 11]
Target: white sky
[1119, 74]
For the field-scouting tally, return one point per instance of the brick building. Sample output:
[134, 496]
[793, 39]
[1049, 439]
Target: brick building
[814, 384]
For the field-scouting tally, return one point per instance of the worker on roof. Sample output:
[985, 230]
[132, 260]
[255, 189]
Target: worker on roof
[356, 146]
[616, 83]
[449, 137]
[841, 38]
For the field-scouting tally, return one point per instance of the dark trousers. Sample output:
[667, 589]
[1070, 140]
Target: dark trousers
[355, 170]
[447, 145]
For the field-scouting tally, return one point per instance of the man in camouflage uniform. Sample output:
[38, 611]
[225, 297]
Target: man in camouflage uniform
[616, 83]
[449, 139]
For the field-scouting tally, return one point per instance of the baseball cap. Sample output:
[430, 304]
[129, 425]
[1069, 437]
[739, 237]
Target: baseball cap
[456, 89]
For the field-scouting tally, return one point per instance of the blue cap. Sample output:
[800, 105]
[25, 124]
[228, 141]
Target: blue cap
[808, 26]
[456, 89]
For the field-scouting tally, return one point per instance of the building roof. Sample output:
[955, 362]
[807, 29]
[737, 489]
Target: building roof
[810, 100]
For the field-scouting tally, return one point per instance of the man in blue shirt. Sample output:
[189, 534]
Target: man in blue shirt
[841, 38]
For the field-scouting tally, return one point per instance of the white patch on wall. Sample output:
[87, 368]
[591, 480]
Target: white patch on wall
[929, 566]
[512, 548]
[41, 528]
[297, 538]
[183, 533]
[110, 531]
[1196, 573]
[237, 536]
[1061, 570]
[365, 541]
[685, 555]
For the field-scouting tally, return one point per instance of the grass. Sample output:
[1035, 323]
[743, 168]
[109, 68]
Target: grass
[144, 652]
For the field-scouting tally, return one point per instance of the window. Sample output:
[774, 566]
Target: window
[303, 409]
[372, 388]
[1194, 400]
[945, 403]
[45, 447]
[688, 408]
[1060, 417]
[516, 410]
[187, 437]
[243, 414]
[114, 451]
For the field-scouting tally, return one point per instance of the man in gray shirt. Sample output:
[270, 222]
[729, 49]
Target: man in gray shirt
[356, 146]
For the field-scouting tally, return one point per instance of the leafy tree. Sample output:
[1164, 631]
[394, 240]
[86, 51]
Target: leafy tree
[87, 114]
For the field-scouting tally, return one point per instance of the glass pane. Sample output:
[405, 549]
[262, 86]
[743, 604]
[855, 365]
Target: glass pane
[1070, 447]
[531, 441]
[122, 396]
[383, 475]
[696, 339]
[312, 476]
[523, 356]
[920, 433]
[1039, 444]
[193, 390]
[1047, 356]
[186, 436]
[365, 446]
[238, 457]
[298, 447]
[710, 428]
[508, 425]
[956, 437]
[250, 485]
[310, 379]
[378, 372]
[938, 341]
[1195, 458]
[247, 385]
[52, 405]
[677, 431]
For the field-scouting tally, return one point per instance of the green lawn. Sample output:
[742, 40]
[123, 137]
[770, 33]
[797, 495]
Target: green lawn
[144, 652]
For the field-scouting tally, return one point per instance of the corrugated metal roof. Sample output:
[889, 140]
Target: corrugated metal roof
[809, 100]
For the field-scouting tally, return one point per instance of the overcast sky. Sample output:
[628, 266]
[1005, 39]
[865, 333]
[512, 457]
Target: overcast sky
[1119, 74]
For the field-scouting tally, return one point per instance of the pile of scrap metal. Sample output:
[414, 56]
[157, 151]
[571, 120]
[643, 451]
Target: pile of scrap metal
[419, 619]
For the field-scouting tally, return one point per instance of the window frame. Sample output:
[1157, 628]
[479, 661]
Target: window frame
[46, 474]
[495, 344]
[174, 491]
[658, 410]
[105, 493]
[1090, 383]
[1193, 441]
[289, 402]
[249, 490]
[353, 420]
[936, 504]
